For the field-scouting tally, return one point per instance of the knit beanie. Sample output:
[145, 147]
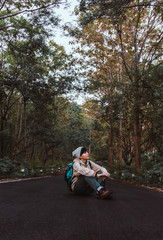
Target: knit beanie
[78, 152]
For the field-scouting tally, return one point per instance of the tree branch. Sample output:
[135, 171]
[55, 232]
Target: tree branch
[147, 34]
[28, 11]
[122, 52]
[2, 5]
[144, 5]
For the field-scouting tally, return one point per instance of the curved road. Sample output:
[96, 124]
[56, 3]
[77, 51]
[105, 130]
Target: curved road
[42, 209]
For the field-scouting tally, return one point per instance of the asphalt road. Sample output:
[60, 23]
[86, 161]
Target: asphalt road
[42, 209]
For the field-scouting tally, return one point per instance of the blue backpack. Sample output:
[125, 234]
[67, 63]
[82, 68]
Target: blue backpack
[68, 175]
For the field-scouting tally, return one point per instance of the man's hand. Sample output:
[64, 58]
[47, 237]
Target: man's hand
[102, 175]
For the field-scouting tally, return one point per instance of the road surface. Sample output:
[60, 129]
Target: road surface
[42, 209]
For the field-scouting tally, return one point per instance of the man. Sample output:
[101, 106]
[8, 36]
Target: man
[88, 176]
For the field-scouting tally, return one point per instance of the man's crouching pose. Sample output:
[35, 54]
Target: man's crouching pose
[88, 176]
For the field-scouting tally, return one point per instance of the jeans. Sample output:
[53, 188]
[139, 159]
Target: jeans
[86, 185]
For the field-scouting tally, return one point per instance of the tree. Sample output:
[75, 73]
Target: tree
[102, 66]
[138, 49]
[33, 72]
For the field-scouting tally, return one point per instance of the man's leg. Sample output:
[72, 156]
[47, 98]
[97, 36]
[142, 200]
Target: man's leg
[98, 185]
[101, 181]
[82, 187]
[86, 184]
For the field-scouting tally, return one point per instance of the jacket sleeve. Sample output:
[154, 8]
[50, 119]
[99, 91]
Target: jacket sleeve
[98, 168]
[81, 170]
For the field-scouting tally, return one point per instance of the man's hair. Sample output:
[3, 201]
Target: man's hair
[83, 150]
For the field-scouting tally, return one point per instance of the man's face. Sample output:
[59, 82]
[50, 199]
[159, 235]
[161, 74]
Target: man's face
[85, 156]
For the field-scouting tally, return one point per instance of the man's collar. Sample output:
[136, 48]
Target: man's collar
[84, 163]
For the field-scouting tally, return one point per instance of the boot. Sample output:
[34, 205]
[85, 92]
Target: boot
[104, 194]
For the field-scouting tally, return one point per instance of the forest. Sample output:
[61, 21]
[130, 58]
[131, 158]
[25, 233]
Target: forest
[116, 60]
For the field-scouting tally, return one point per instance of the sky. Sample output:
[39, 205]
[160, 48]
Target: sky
[67, 16]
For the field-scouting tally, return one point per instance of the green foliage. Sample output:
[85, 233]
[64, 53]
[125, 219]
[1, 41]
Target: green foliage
[35, 71]
[151, 173]
[7, 167]
[75, 132]
[113, 9]
[15, 8]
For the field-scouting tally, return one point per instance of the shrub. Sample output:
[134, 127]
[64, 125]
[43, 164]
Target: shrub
[7, 167]
[151, 173]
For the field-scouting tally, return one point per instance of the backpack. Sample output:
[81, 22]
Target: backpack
[68, 175]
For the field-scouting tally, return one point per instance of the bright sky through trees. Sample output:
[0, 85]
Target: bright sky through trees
[66, 15]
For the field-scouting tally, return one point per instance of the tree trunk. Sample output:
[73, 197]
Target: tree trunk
[18, 126]
[120, 126]
[136, 124]
[25, 134]
[2, 141]
[137, 109]
[111, 162]
[120, 144]
[137, 140]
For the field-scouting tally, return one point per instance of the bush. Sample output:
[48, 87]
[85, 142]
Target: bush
[7, 167]
[152, 169]
[151, 173]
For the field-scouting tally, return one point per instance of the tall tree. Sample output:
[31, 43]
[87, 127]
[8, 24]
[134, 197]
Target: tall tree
[33, 71]
[139, 50]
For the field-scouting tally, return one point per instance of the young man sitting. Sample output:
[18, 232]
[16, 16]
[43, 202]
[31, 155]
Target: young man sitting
[88, 176]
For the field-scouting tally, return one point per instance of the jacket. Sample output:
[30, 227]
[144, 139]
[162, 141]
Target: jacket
[90, 170]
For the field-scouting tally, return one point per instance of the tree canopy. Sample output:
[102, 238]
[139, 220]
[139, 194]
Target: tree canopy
[114, 9]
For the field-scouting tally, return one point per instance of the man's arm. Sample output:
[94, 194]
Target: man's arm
[98, 168]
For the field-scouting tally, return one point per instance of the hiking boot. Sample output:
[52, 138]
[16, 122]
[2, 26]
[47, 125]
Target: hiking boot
[104, 194]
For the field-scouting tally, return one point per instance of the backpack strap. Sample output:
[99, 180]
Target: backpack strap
[90, 165]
